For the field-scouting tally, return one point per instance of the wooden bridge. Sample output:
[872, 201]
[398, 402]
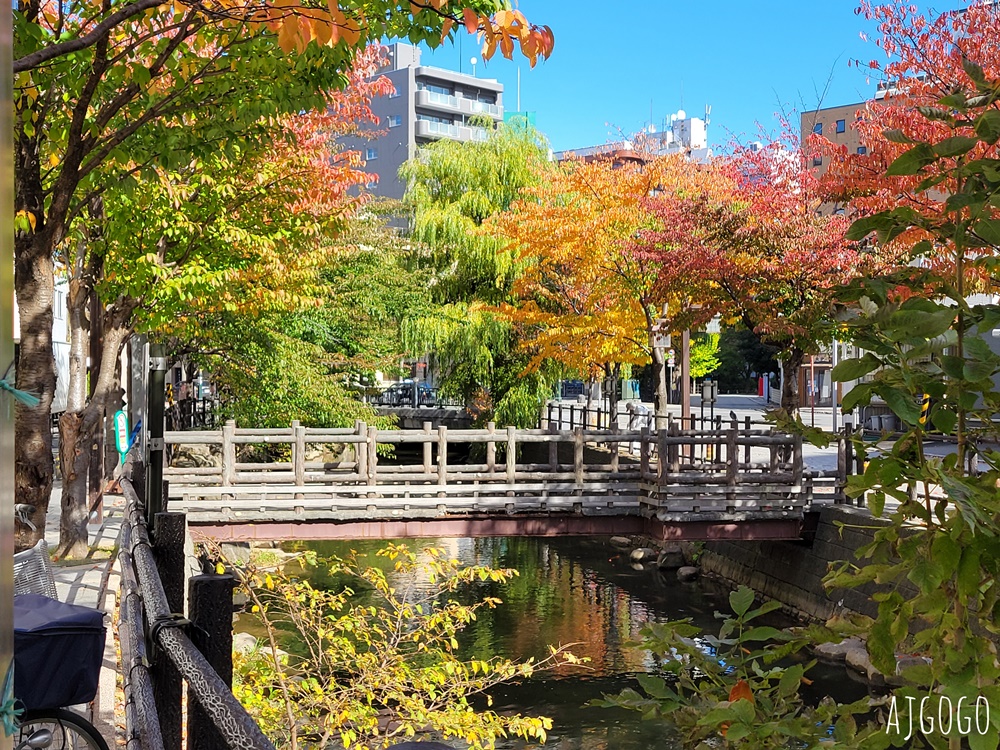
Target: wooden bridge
[737, 482]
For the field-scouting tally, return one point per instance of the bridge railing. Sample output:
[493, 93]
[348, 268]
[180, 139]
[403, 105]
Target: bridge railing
[380, 471]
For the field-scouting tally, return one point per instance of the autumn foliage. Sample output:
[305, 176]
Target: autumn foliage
[933, 59]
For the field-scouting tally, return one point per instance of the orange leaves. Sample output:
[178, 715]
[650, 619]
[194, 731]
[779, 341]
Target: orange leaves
[297, 25]
[471, 19]
[508, 27]
[741, 692]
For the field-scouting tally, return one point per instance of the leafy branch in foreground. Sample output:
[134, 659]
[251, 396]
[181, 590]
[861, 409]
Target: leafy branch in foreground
[731, 691]
[375, 658]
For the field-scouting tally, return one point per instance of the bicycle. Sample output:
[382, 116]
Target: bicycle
[45, 727]
[57, 729]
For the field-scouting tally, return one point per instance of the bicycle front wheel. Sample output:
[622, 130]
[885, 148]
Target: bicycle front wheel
[70, 731]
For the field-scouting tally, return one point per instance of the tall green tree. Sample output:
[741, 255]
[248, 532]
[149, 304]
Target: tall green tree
[452, 189]
[123, 87]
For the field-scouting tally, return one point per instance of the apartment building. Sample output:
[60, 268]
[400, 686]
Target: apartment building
[429, 104]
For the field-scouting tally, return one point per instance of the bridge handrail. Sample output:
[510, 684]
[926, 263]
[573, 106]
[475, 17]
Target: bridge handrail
[236, 727]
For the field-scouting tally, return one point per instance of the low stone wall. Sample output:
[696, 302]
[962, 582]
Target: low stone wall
[792, 572]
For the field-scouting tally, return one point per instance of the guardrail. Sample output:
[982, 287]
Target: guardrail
[158, 658]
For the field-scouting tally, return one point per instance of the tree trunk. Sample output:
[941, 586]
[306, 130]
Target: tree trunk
[77, 430]
[790, 367]
[36, 372]
[96, 473]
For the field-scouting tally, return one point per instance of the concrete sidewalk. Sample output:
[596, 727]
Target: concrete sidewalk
[94, 583]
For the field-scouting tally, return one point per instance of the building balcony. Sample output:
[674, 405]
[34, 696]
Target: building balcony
[456, 104]
[437, 130]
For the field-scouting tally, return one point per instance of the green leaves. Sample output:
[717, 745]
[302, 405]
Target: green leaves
[912, 161]
[741, 599]
[852, 369]
[988, 126]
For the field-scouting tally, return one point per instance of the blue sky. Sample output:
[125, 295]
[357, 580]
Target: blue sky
[747, 60]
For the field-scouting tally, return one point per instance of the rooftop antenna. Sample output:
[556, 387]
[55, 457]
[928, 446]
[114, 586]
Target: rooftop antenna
[708, 115]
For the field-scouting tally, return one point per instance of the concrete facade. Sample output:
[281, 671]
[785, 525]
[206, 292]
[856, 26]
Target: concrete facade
[429, 104]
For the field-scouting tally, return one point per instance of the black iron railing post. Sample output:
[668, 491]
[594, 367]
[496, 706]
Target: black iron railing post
[168, 553]
[154, 445]
[211, 606]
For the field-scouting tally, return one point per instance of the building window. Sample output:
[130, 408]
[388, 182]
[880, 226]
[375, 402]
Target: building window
[818, 128]
[435, 88]
[395, 121]
[841, 126]
[817, 161]
[371, 154]
[395, 93]
[862, 150]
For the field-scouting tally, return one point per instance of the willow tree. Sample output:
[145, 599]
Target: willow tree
[92, 79]
[452, 189]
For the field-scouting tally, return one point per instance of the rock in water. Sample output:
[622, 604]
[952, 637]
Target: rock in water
[687, 573]
[641, 554]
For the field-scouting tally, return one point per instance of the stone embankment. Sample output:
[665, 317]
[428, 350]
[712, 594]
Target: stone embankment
[792, 572]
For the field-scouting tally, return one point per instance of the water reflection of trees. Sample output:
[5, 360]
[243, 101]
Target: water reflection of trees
[568, 591]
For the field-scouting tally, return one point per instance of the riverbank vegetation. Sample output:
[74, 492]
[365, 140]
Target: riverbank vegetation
[372, 658]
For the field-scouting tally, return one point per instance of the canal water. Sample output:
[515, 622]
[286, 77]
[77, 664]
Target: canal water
[586, 592]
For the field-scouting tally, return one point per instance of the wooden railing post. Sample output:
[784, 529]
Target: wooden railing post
[553, 449]
[361, 452]
[491, 448]
[372, 446]
[428, 448]
[299, 455]
[644, 452]
[442, 457]
[228, 453]
[843, 446]
[511, 458]
[746, 451]
[732, 458]
[797, 460]
[675, 450]
[662, 464]
[615, 448]
[578, 458]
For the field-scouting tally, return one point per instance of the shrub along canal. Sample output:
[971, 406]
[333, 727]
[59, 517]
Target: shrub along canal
[586, 592]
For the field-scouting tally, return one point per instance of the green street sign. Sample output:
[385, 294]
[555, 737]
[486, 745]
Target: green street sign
[121, 434]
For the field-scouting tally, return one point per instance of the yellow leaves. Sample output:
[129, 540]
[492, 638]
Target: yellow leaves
[25, 220]
[220, 569]
[288, 34]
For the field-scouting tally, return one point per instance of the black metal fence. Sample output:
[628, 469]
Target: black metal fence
[193, 414]
[162, 650]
